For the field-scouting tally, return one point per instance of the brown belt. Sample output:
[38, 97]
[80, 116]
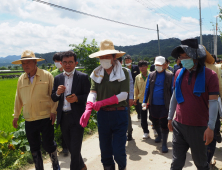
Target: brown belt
[113, 108]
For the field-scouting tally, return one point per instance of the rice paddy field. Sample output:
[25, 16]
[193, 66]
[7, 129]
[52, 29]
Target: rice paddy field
[7, 98]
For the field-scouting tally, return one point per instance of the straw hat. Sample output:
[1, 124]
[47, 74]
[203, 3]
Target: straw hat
[27, 55]
[209, 57]
[107, 47]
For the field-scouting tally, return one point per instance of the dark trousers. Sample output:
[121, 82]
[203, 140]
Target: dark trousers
[159, 122]
[130, 128]
[212, 146]
[185, 137]
[73, 135]
[33, 130]
[144, 122]
[138, 110]
[112, 128]
[63, 141]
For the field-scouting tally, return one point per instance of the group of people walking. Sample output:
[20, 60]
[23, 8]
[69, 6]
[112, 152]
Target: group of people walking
[184, 101]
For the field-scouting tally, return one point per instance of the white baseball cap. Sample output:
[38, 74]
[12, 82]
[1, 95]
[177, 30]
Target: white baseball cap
[160, 60]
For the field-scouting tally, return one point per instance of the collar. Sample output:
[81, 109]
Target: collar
[36, 74]
[141, 75]
[70, 74]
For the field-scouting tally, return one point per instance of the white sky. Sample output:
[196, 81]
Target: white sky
[26, 24]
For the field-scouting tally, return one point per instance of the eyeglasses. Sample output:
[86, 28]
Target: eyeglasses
[69, 63]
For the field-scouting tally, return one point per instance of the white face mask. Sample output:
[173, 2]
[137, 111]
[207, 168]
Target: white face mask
[68, 73]
[105, 63]
[129, 64]
[58, 65]
[159, 68]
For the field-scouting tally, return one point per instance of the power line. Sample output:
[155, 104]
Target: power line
[146, 6]
[83, 13]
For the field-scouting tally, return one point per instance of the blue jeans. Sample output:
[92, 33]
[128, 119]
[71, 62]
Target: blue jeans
[112, 127]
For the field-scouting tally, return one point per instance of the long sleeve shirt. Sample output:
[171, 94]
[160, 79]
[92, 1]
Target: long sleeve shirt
[139, 87]
[131, 91]
[35, 97]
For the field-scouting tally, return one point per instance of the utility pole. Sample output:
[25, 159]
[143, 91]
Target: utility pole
[158, 39]
[201, 40]
[215, 40]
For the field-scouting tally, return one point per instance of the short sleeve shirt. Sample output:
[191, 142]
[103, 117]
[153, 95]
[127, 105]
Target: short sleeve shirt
[107, 89]
[194, 110]
[56, 72]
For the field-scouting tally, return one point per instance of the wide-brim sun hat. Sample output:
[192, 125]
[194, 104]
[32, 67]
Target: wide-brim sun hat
[209, 57]
[107, 47]
[160, 60]
[27, 55]
[191, 48]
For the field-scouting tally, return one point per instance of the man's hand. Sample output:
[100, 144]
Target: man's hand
[53, 118]
[72, 98]
[130, 102]
[61, 89]
[170, 126]
[135, 102]
[14, 123]
[208, 136]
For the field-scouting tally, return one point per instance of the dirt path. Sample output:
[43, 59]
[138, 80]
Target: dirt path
[141, 154]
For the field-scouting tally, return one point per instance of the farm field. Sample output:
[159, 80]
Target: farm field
[7, 91]
[10, 74]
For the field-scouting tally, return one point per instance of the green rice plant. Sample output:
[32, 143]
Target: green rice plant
[7, 91]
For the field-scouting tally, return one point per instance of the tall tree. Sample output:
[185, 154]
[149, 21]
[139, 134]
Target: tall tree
[83, 51]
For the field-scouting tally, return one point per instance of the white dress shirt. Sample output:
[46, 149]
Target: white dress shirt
[68, 84]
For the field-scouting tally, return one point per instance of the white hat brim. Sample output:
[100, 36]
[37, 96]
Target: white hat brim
[20, 61]
[106, 52]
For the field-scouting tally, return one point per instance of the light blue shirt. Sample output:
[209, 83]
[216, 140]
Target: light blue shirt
[131, 92]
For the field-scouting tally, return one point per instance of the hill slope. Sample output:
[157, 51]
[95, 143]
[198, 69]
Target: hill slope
[139, 51]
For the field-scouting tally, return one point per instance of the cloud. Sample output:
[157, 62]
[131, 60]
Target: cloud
[45, 28]
[189, 20]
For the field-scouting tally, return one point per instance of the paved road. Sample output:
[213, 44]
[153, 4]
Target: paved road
[141, 154]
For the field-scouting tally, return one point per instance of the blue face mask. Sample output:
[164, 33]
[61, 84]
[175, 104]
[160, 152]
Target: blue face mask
[187, 63]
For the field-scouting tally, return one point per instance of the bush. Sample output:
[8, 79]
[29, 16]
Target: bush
[14, 148]
[83, 51]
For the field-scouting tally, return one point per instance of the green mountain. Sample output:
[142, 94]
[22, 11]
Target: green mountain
[150, 49]
[145, 51]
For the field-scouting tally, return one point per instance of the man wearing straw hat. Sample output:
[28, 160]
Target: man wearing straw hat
[110, 86]
[33, 95]
[195, 101]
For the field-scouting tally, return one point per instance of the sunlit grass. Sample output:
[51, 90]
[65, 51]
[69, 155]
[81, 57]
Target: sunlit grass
[7, 98]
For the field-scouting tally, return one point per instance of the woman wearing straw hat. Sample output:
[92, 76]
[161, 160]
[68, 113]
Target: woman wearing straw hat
[110, 86]
[33, 95]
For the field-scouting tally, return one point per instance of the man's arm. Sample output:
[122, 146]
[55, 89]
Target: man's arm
[213, 111]
[131, 85]
[54, 96]
[86, 89]
[54, 105]
[172, 109]
[136, 91]
[17, 107]
[146, 95]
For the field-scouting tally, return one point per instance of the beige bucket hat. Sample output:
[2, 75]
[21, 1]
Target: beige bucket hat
[107, 47]
[27, 55]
